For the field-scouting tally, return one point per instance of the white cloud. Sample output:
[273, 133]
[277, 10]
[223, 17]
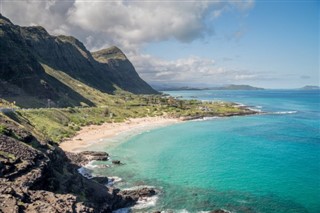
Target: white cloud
[130, 25]
[190, 69]
[49, 14]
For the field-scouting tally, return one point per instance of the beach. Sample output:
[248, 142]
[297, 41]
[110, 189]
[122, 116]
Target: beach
[90, 135]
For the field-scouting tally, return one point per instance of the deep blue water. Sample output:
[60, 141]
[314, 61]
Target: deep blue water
[260, 163]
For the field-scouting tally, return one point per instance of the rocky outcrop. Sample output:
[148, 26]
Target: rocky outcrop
[219, 211]
[94, 155]
[139, 193]
[15, 199]
[39, 177]
[83, 158]
[117, 162]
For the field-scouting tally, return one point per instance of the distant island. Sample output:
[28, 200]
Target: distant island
[309, 87]
[227, 87]
[237, 87]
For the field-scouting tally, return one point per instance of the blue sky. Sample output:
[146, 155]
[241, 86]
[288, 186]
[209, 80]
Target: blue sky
[278, 40]
[271, 44]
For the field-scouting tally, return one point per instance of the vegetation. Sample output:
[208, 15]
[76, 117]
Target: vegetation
[37, 69]
[110, 53]
[7, 155]
[57, 124]
[7, 104]
[75, 88]
[3, 130]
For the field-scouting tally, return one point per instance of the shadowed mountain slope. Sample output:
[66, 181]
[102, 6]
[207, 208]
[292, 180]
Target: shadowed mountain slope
[33, 66]
[120, 70]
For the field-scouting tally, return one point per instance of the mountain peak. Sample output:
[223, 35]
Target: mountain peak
[109, 53]
[4, 20]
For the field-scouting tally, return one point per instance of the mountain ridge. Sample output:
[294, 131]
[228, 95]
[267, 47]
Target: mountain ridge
[26, 53]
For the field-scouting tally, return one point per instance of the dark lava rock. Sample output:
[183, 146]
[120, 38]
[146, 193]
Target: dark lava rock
[137, 193]
[219, 211]
[116, 162]
[102, 180]
[36, 178]
[93, 155]
[85, 157]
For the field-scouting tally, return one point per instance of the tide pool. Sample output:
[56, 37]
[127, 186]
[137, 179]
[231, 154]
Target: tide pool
[260, 163]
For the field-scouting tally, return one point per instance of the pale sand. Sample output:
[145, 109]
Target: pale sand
[90, 135]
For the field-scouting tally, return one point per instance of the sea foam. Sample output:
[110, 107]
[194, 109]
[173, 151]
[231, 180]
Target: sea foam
[123, 210]
[146, 202]
[285, 112]
[85, 172]
[113, 180]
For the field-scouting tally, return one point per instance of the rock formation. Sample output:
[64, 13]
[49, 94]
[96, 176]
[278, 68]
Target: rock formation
[38, 177]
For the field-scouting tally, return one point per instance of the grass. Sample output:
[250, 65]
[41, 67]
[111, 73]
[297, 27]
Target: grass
[57, 124]
[7, 155]
[3, 130]
[94, 95]
[7, 104]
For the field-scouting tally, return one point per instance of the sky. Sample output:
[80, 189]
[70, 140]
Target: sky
[270, 44]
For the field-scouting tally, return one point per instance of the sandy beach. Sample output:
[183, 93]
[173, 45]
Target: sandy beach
[90, 135]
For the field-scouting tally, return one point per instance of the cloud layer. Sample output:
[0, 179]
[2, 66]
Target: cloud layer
[192, 71]
[124, 23]
[130, 25]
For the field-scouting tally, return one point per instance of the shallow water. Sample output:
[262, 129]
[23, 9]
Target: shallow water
[260, 163]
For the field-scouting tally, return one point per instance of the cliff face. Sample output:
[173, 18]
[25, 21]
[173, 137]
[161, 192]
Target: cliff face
[37, 176]
[27, 52]
[120, 71]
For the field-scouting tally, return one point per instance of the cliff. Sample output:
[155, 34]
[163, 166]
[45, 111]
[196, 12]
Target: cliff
[34, 66]
[120, 70]
[37, 176]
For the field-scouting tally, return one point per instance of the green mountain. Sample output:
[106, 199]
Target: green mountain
[37, 69]
[120, 70]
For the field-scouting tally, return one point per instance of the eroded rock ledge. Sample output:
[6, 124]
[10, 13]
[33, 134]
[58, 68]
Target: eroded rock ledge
[38, 177]
[83, 158]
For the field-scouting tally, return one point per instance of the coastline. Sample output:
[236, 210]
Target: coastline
[90, 135]
[146, 195]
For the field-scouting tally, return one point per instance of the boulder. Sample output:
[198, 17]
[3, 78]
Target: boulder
[116, 162]
[102, 180]
[219, 211]
[139, 193]
[93, 155]
[85, 157]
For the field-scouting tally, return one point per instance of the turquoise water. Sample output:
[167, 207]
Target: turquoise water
[260, 163]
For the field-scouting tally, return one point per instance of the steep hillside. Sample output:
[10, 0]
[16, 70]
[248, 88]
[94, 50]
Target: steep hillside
[37, 176]
[30, 59]
[120, 70]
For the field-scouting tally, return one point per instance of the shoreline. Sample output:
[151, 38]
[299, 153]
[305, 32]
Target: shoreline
[93, 134]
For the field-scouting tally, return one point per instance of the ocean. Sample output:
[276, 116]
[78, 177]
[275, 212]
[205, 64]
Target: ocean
[259, 163]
